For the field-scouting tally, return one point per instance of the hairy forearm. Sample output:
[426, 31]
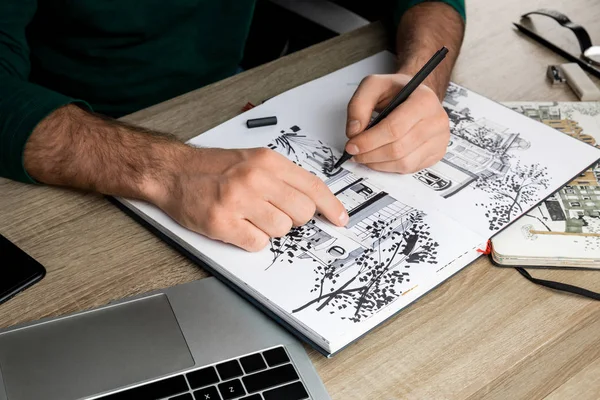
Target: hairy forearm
[75, 148]
[423, 30]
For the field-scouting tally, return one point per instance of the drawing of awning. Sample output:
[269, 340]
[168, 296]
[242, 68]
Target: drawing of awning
[373, 213]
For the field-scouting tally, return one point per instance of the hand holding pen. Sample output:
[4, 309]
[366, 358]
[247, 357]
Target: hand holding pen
[400, 139]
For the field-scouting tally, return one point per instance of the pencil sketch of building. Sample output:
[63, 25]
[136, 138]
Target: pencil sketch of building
[369, 209]
[359, 269]
[374, 214]
[477, 149]
[372, 223]
[539, 111]
[374, 217]
[575, 205]
[551, 115]
[574, 202]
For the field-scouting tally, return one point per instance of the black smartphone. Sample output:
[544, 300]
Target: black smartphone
[18, 270]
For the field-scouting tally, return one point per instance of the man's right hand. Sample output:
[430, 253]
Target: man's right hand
[243, 197]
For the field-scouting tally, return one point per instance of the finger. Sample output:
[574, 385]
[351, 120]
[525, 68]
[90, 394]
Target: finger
[419, 134]
[367, 96]
[390, 129]
[412, 162]
[247, 236]
[295, 204]
[269, 219]
[429, 161]
[316, 190]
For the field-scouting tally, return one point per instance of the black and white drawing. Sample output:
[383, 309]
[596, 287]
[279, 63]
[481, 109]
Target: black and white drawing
[360, 269]
[575, 110]
[310, 154]
[483, 155]
[573, 212]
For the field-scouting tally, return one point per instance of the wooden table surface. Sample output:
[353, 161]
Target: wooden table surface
[485, 333]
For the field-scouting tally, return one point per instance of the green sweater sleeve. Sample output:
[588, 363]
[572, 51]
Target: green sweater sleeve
[22, 104]
[403, 5]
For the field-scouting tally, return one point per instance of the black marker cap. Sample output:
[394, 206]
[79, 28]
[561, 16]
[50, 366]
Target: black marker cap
[258, 122]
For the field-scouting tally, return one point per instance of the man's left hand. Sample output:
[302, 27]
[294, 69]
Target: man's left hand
[412, 137]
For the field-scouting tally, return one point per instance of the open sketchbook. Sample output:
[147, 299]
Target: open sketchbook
[564, 229]
[406, 235]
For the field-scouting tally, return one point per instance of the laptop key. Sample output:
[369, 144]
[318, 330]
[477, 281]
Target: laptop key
[153, 391]
[253, 363]
[202, 377]
[231, 389]
[185, 396]
[276, 356]
[269, 378]
[294, 391]
[253, 397]
[209, 393]
[229, 369]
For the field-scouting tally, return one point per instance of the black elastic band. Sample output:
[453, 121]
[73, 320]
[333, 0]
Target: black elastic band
[564, 287]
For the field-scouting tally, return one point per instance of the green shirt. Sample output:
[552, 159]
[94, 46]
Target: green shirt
[115, 56]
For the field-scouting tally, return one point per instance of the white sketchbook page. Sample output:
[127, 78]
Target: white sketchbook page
[337, 282]
[527, 237]
[321, 105]
[319, 108]
[492, 150]
[290, 288]
[500, 163]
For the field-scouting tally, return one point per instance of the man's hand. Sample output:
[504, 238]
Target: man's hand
[245, 197]
[414, 136]
[242, 197]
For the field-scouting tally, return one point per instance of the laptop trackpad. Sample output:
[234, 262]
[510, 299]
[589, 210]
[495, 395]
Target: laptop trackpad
[93, 352]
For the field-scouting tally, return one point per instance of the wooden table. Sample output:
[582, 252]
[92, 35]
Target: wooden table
[485, 333]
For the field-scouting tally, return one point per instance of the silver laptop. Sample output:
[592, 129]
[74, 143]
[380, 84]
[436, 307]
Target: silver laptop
[197, 341]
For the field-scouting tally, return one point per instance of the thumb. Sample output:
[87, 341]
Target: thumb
[363, 102]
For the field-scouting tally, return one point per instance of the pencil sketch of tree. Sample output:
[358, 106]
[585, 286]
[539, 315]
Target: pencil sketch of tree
[290, 246]
[591, 225]
[511, 191]
[375, 280]
[458, 119]
[483, 137]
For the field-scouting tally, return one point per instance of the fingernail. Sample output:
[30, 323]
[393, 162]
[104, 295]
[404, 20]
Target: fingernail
[353, 127]
[352, 149]
[344, 218]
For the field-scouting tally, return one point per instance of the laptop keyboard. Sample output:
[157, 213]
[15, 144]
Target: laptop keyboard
[266, 375]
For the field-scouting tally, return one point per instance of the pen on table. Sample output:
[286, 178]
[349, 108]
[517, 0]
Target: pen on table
[402, 95]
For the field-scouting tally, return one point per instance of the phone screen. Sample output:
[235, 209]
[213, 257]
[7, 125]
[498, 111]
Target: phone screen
[18, 270]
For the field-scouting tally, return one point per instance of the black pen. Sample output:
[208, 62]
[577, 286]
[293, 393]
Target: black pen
[402, 95]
